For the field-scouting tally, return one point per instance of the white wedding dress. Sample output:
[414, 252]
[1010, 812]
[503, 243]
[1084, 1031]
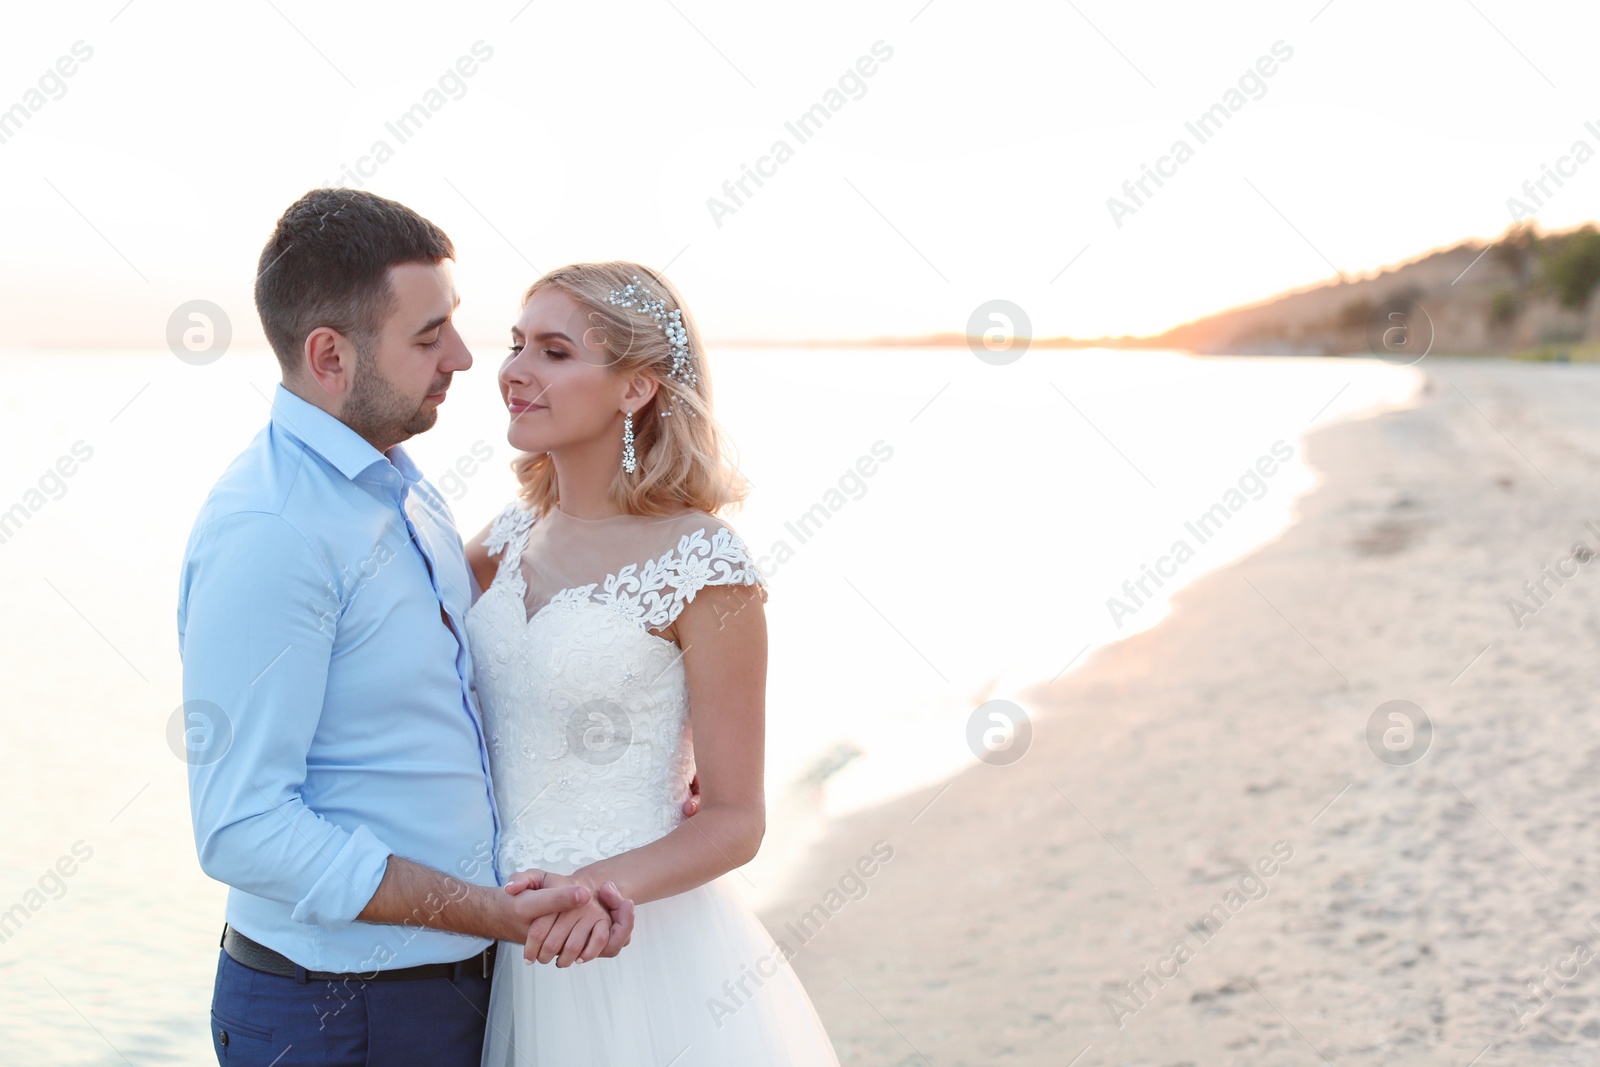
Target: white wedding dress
[587, 714]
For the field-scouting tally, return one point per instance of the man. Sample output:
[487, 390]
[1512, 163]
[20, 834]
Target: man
[340, 785]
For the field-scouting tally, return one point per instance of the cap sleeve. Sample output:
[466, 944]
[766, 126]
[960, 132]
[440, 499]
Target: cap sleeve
[709, 554]
[511, 525]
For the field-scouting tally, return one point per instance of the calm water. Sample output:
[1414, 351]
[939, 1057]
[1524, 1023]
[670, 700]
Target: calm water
[1003, 507]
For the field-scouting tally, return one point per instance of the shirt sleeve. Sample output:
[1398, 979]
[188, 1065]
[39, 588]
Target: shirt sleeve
[256, 621]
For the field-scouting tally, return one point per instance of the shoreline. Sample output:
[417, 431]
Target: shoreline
[1033, 913]
[1255, 490]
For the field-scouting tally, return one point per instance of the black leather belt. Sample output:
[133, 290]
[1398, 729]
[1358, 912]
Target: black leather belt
[259, 957]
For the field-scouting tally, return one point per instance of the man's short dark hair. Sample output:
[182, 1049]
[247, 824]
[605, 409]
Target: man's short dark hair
[327, 264]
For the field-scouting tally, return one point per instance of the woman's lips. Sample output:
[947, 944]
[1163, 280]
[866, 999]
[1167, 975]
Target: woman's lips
[520, 407]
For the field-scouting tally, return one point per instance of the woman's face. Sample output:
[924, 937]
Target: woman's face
[557, 381]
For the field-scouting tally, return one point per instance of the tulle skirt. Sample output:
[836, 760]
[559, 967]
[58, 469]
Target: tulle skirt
[702, 984]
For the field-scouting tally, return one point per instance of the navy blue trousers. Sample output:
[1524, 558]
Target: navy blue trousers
[262, 1020]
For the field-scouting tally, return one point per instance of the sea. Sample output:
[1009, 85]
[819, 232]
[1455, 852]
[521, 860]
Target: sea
[942, 531]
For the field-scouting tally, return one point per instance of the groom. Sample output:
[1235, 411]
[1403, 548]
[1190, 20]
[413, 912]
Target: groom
[341, 784]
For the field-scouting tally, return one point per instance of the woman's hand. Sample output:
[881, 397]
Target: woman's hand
[602, 926]
[570, 936]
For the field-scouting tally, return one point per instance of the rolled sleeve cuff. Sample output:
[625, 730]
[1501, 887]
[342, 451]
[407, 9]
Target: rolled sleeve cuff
[347, 886]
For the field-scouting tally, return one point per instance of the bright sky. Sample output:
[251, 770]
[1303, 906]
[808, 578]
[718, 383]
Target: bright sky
[971, 161]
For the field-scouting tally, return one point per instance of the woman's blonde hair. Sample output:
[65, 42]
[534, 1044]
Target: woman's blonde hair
[682, 460]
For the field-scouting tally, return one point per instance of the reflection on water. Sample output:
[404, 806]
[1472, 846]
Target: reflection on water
[938, 532]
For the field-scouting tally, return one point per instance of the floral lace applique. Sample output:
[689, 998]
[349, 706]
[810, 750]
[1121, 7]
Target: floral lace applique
[586, 711]
[510, 525]
[653, 595]
[656, 595]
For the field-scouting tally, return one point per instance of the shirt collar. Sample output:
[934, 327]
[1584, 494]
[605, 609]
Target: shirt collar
[331, 439]
[402, 463]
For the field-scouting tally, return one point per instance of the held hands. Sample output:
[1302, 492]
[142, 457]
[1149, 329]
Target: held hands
[543, 900]
[599, 924]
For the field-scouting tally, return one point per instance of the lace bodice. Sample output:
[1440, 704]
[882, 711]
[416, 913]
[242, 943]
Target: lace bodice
[586, 710]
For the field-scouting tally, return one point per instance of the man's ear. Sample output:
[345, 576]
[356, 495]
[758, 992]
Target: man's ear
[329, 359]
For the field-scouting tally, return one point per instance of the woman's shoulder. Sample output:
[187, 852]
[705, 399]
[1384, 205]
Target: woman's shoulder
[695, 525]
[514, 520]
[707, 549]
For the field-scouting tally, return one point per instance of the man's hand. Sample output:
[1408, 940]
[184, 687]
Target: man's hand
[542, 905]
[413, 893]
[692, 805]
[620, 908]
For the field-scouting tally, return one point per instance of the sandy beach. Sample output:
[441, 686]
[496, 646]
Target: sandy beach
[1202, 858]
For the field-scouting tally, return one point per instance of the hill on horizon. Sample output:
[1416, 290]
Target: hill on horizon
[1526, 292]
[1525, 289]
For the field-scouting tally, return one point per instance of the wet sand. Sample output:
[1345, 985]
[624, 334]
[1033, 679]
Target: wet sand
[1202, 858]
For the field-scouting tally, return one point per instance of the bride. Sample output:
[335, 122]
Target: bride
[620, 648]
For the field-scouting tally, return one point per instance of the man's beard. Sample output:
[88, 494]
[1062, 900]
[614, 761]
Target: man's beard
[378, 411]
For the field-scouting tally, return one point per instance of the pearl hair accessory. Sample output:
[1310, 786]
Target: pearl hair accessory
[636, 295]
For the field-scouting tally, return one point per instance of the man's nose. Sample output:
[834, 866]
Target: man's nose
[460, 358]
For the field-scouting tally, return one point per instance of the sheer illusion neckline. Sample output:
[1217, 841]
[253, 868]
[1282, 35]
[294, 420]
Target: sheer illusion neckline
[519, 589]
[647, 569]
[521, 605]
[518, 598]
[555, 511]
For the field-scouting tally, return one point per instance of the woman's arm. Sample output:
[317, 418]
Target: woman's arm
[483, 567]
[723, 634]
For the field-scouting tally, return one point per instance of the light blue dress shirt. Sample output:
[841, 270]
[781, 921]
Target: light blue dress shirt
[331, 713]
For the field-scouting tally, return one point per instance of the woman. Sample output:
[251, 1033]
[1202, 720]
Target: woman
[619, 618]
